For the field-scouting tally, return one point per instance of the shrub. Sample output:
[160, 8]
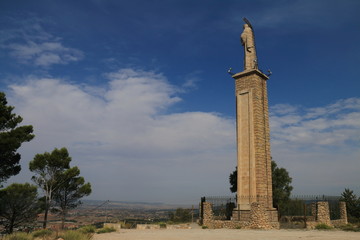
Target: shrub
[162, 224]
[204, 227]
[18, 236]
[75, 235]
[88, 229]
[43, 233]
[323, 226]
[106, 230]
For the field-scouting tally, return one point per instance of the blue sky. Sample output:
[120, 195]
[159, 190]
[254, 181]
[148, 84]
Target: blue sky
[138, 91]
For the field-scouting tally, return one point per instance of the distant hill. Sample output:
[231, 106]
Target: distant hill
[129, 205]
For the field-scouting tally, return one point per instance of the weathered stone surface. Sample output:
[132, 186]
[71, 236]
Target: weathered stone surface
[253, 140]
[256, 218]
[147, 226]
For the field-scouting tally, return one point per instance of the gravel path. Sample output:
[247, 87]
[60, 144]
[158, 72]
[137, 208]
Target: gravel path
[227, 234]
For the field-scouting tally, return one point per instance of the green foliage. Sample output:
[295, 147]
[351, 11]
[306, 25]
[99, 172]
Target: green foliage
[88, 229]
[323, 226]
[48, 168]
[350, 227]
[18, 205]
[11, 138]
[352, 205]
[18, 236]
[233, 181]
[280, 185]
[180, 216]
[106, 230]
[162, 224]
[75, 235]
[58, 181]
[70, 191]
[43, 233]
[204, 227]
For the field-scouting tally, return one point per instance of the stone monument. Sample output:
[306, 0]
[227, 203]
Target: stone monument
[254, 181]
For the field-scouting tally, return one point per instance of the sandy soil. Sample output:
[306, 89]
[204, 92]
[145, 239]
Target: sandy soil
[226, 234]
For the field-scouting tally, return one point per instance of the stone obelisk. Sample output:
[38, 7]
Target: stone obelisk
[254, 181]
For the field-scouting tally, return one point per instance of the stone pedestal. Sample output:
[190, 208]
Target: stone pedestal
[258, 217]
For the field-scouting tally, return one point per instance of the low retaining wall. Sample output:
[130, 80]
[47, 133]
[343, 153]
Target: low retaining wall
[147, 226]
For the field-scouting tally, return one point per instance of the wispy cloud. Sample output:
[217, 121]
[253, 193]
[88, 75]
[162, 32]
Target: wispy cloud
[319, 146]
[31, 44]
[304, 14]
[329, 126]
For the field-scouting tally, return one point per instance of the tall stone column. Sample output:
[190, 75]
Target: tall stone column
[253, 140]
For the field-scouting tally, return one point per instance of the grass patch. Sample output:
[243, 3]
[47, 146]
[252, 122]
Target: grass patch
[162, 225]
[323, 226]
[18, 236]
[43, 233]
[350, 227]
[204, 227]
[105, 230]
[75, 235]
[87, 229]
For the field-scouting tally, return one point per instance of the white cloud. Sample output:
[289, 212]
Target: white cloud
[131, 146]
[319, 146]
[330, 126]
[124, 139]
[33, 45]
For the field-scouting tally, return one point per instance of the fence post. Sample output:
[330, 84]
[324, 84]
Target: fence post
[305, 220]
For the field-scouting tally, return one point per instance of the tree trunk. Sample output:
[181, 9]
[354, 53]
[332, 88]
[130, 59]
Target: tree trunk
[63, 219]
[11, 226]
[45, 216]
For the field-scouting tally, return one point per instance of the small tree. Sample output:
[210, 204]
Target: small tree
[18, 205]
[49, 169]
[69, 193]
[352, 204]
[11, 138]
[280, 185]
[181, 215]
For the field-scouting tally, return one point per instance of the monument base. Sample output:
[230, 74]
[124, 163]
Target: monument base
[257, 217]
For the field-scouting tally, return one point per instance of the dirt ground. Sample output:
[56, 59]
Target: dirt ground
[226, 234]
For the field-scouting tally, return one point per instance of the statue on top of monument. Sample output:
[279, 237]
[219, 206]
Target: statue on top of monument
[248, 41]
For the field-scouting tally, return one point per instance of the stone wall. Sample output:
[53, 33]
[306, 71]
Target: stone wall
[147, 226]
[321, 214]
[258, 219]
[343, 216]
